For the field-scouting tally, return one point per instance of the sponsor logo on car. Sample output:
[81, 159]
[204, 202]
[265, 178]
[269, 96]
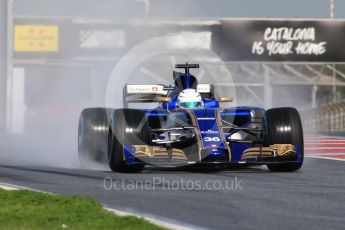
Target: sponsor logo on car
[209, 132]
[146, 89]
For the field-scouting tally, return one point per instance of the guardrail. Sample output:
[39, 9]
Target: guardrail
[328, 118]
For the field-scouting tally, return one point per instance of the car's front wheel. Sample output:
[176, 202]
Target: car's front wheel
[284, 127]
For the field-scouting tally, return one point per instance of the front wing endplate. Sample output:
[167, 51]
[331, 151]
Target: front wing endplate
[276, 150]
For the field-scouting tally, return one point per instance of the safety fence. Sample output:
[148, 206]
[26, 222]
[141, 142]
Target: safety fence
[328, 118]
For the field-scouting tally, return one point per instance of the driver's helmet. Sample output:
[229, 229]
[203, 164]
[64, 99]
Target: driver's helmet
[189, 98]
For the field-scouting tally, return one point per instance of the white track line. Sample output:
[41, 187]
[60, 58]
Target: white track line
[326, 158]
[17, 187]
[153, 220]
[8, 187]
[326, 148]
[324, 154]
[324, 140]
[320, 144]
[324, 137]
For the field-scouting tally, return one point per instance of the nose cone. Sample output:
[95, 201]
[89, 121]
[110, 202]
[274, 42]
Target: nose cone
[215, 155]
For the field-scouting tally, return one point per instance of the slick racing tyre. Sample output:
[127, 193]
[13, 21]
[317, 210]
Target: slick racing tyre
[284, 127]
[128, 127]
[93, 134]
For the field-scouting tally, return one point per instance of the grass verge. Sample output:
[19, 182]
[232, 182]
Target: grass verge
[23, 209]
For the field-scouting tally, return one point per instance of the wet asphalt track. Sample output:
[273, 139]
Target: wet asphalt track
[313, 198]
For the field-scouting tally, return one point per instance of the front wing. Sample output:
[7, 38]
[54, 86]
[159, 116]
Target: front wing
[276, 153]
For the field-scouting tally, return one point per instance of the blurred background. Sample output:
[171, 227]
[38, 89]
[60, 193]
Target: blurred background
[57, 57]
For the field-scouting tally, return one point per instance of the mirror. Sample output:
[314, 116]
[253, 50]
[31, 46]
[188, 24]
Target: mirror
[162, 99]
[225, 99]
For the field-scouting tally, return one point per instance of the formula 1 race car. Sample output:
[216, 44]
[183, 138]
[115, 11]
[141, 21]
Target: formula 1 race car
[189, 127]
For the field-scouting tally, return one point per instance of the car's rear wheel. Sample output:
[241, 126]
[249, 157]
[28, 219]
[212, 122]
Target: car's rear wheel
[93, 132]
[128, 128]
[284, 127]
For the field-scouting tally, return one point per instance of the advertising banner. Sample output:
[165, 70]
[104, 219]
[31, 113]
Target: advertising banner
[275, 40]
[36, 38]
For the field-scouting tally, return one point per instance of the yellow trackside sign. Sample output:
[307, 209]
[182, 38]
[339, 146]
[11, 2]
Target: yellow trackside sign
[36, 38]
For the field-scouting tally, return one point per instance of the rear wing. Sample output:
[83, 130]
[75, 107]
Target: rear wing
[149, 93]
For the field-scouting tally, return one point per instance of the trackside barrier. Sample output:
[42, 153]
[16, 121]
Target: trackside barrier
[328, 118]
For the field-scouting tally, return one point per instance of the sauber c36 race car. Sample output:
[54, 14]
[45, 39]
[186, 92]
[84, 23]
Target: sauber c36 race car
[189, 127]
